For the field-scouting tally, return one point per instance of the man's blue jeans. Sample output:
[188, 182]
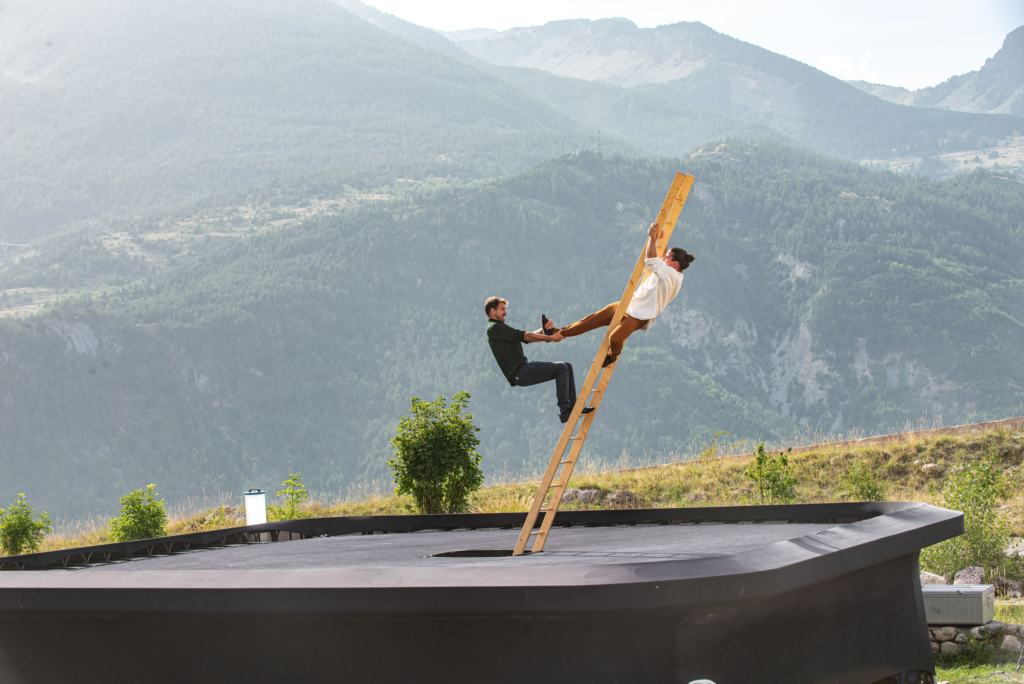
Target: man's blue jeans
[536, 372]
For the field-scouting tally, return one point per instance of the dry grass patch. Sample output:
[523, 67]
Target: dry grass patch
[699, 482]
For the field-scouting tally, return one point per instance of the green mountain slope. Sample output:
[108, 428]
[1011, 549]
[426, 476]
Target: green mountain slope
[139, 105]
[863, 301]
[824, 294]
[122, 106]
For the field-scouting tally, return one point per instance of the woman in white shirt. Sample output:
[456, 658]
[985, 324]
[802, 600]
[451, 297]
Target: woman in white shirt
[657, 290]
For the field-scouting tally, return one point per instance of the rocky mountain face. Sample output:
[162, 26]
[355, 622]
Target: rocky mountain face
[995, 88]
[691, 63]
[609, 50]
[894, 94]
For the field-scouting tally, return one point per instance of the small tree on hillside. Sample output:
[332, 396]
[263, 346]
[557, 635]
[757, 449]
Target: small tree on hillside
[973, 487]
[774, 480]
[20, 530]
[142, 516]
[295, 494]
[435, 455]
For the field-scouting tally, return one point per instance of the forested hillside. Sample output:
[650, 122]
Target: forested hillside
[824, 294]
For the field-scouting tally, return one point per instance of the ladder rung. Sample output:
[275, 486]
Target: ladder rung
[576, 437]
[557, 484]
[563, 462]
[537, 532]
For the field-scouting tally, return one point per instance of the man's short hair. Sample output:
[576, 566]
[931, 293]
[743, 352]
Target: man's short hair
[492, 303]
[681, 257]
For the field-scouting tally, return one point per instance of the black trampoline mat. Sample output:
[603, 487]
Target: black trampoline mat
[565, 546]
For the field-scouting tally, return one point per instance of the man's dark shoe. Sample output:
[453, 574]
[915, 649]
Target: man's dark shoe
[609, 360]
[565, 416]
[544, 327]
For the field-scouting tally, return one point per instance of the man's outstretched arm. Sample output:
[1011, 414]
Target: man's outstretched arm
[539, 336]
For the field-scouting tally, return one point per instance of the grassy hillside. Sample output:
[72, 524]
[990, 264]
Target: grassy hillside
[820, 471]
[824, 295]
[716, 481]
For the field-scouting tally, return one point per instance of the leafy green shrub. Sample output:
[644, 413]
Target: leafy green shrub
[772, 476]
[20, 530]
[863, 485]
[435, 455]
[973, 487]
[142, 516]
[294, 494]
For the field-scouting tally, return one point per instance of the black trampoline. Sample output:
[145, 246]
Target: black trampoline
[787, 594]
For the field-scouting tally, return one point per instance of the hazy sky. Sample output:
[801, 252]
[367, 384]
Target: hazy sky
[909, 43]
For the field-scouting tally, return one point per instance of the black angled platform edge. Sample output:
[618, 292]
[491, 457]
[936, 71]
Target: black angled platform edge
[841, 604]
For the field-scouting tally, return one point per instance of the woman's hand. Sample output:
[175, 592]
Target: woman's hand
[653, 235]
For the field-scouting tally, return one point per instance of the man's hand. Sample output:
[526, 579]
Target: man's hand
[539, 336]
[654, 232]
[554, 337]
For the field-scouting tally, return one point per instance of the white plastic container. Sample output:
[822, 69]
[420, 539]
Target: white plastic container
[255, 507]
[959, 604]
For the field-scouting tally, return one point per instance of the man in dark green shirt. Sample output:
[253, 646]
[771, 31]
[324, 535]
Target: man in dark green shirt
[506, 344]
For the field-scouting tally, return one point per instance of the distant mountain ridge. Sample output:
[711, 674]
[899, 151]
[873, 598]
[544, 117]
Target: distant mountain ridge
[995, 88]
[600, 50]
[693, 64]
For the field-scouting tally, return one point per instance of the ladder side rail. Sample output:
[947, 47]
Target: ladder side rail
[667, 217]
[581, 399]
[569, 460]
[668, 212]
[670, 217]
[567, 469]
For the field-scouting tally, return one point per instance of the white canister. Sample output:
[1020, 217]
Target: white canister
[255, 507]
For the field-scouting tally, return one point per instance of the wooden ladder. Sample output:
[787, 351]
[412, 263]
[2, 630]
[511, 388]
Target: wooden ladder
[556, 478]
